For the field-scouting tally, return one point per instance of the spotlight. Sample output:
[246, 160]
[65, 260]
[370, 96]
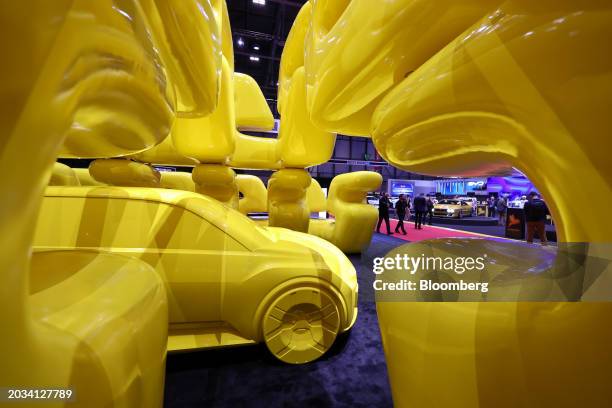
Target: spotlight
[256, 47]
[260, 2]
[254, 58]
[240, 42]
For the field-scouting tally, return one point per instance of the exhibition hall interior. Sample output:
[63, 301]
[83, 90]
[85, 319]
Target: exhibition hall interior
[306, 203]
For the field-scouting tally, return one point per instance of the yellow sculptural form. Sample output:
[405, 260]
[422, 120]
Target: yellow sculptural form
[236, 299]
[72, 73]
[487, 85]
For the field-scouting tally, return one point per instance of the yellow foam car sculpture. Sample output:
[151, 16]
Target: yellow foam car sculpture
[527, 85]
[78, 68]
[228, 281]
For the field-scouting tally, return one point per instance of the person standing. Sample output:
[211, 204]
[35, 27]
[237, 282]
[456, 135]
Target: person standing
[420, 208]
[500, 206]
[400, 209]
[491, 204]
[383, 212]
[430, 207]
[535, 217]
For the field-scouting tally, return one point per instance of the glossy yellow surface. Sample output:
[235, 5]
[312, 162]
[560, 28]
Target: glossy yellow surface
[356, 53]
[252, 110]
[62, 68]
[315, 197]
[108, 63]
[209, 139]
[122, 172]
[188, 37]
[216, 181]
[497, 354]
[353, 224]
[253, 113]
[63, 175]
[254, 194]
[301, 143]
[164, 154]
[221, 271]
[528, 86]
[176, 180]
[292, 57]
[287, 205]
[85, 179]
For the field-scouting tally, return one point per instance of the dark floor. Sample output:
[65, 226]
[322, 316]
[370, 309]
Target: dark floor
[495, 230]
[352, 374]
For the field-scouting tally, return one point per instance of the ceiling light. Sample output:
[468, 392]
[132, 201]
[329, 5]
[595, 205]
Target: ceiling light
[240, 42]
[254, 58]
[260, 2]
[256, 47]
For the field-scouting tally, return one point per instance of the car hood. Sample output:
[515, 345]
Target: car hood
[447, 206]
[302, 244]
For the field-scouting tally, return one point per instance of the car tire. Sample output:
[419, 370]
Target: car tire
[301, 325]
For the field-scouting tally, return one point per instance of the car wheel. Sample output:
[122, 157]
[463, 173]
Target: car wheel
[301, 325]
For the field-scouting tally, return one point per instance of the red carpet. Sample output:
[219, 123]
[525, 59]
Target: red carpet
[428, 232]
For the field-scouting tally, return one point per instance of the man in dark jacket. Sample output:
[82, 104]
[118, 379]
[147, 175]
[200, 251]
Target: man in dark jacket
[420, 208]
[400, 209]
[430, 207]
[535, 217]
[383, 212]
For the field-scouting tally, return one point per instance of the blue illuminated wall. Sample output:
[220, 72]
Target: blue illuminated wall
[512, 185]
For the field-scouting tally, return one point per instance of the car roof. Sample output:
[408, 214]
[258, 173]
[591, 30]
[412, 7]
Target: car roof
[232, 222]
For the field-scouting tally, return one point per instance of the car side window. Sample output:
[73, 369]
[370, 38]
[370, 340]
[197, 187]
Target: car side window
[122, 223]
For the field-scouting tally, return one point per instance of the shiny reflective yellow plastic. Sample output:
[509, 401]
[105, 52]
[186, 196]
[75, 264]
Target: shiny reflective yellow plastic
[315, 197]
[526, 86]
[110, 64]
[222, 272]
[354, 222]
[209, 139]
[85, 179]
[188, 37]
[63, 175]
[254, 194]
[253, 113]
[287, 205]
[122, 172]
[356, 52]
[216, 181]
[164, 154]
[301, 143]
[496, 354]
[176, 180]
[48, 340]
[292, 57]
[252, 110]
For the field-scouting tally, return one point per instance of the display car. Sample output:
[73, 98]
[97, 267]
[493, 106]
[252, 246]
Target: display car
[452, 208]
[228, 280]
[373, 200]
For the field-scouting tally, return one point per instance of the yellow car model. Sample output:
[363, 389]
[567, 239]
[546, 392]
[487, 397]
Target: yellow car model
[228, 280]
[453, 208]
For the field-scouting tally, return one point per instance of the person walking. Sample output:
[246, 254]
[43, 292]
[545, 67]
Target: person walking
[430, 207]
[491, 203]
[500, 206]
[535, 217]
[383, 212]
[401, 207]
[420, 208]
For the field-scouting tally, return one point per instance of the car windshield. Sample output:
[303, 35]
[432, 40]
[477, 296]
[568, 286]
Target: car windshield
[453, 202]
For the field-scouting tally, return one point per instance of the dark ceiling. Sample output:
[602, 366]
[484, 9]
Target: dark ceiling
[265, 27]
